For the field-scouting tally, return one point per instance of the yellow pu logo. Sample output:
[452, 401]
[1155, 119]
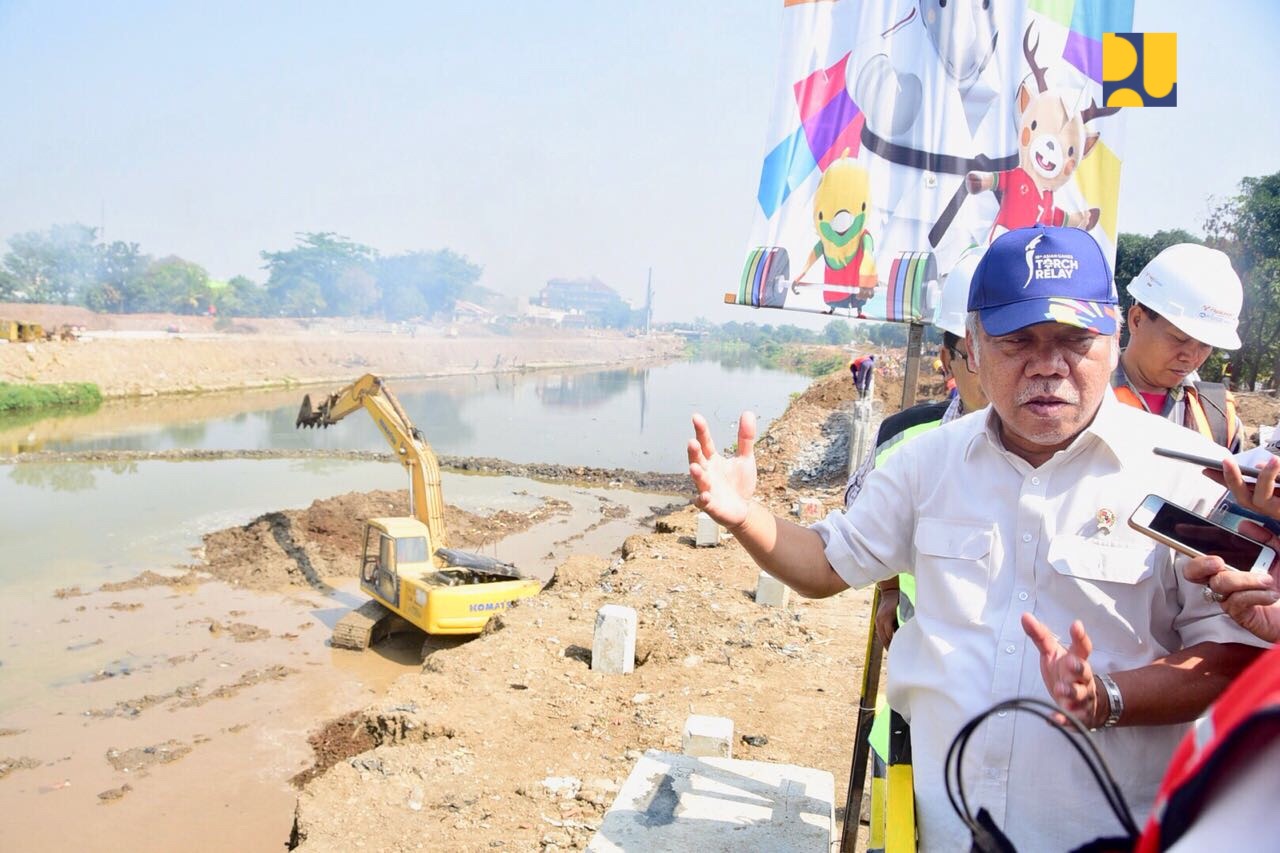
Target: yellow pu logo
[1140, 69]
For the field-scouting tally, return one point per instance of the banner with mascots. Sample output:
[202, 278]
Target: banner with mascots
[906, 133]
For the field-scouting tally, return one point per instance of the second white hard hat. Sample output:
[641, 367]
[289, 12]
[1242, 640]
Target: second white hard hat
[1195, 288]
[953, 303]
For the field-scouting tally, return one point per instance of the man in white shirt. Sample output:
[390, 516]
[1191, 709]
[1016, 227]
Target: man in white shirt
[1020, 509]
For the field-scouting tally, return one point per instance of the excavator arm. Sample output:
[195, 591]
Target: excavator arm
[426, 499]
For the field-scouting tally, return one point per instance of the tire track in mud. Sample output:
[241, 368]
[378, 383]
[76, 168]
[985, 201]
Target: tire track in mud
[644, 481]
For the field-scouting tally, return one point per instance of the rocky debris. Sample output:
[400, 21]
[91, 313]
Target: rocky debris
[338, 740]
[125, 606]
[68, 592]
[277, 672]
[643, 481]
[150, 578]
[140, 758]
[8, 765]
[241, 632]
[113, 794]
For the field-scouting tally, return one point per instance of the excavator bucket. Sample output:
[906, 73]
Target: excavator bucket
[307, 417]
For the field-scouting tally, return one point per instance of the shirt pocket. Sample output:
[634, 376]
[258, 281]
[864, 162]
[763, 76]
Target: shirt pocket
[954, 557]
[1108, 587]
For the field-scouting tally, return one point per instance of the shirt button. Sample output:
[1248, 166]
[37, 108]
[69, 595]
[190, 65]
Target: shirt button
[1022, 596]
[1011, 648]
[1035, 481]
[1002, 713]
[1026, 537]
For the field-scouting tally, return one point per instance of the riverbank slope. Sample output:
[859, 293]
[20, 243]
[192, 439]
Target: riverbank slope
[139, 361]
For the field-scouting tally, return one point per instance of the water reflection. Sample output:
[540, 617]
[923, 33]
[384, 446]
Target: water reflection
[66, 478]
[619, 417]
[584, 390]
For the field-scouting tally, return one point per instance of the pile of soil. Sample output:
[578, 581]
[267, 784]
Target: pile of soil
[302, 547]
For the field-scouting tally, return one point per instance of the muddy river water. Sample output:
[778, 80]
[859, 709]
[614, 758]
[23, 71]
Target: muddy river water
[171, 717]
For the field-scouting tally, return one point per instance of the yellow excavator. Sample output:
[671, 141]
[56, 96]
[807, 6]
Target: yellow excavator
[407, 566]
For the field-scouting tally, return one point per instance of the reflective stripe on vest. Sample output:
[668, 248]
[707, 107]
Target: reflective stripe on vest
[1200, 420]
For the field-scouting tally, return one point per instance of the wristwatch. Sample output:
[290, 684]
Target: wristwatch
[1115, 701]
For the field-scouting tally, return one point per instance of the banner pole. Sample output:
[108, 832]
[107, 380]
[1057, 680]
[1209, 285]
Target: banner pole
[911, 376]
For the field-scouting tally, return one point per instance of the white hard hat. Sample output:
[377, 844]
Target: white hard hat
[953, 303]
[1196, 289]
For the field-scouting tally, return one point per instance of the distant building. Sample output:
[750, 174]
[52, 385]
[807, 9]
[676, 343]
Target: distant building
[591, 300]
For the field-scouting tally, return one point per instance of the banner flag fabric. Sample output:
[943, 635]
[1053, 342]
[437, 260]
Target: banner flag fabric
[904, 134]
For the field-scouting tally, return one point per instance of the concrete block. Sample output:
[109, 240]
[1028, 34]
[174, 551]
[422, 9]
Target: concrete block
[711, 737]
[708, 531]
[613, 647]
[771, 592]
[810, 510]
[681, 802]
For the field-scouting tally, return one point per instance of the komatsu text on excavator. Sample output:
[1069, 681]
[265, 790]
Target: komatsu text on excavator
[406, 566]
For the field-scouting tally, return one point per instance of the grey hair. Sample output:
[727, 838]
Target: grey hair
[973, 328]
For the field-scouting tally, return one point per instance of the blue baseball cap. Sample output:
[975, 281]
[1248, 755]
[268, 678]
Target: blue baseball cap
[1044, 275]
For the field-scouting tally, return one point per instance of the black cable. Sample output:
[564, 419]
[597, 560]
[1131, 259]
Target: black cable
[1083, 745]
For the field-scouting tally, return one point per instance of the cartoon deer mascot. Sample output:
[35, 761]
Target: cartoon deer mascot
[1052, 140]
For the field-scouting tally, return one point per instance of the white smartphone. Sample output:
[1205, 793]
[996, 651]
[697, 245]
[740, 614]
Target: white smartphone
[1195, 535]
[1204, 461]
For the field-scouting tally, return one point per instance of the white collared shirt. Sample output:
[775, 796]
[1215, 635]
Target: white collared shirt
[988, 538]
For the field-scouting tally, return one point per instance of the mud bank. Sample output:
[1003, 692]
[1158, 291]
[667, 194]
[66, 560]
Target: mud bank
[644, 481]
[178, 364]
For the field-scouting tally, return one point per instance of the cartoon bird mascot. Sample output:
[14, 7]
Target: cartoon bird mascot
[840, 218]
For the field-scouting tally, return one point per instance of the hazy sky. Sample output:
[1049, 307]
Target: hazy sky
[541, 139]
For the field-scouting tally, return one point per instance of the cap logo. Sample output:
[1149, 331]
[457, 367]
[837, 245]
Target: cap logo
[1048, 265]
[1030, 251]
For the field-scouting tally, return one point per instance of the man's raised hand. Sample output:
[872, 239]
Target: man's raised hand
[724, 484]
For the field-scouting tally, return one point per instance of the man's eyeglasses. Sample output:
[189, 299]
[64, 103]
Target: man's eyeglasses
[963, 356]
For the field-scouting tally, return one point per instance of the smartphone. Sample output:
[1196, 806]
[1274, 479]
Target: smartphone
[1195, 535]
[1204, 461]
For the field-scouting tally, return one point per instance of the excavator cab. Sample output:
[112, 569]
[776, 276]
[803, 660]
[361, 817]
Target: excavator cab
[389, 544]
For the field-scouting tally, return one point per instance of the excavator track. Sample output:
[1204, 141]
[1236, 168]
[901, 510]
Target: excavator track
[356, 630]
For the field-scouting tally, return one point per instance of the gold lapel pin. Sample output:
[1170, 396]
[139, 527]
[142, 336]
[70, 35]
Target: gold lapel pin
[1106, 519]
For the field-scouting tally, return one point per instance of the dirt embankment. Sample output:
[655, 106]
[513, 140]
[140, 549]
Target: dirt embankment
[141, 362]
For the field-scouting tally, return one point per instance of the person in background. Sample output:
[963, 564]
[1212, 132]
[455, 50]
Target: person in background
[1186, 302]
[863, 370]
[1036, 542]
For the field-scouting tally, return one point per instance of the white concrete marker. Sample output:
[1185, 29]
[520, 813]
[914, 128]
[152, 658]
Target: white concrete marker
[678, 802]
[708, 531]
[810, 510]
[707, 737]
[771, 592]
[613, 648]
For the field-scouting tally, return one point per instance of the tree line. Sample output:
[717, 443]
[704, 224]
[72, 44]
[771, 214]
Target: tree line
[324, 274]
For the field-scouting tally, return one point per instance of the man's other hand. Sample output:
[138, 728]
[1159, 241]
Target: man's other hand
[1066, 671]
[725, 484]
[887, 616]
